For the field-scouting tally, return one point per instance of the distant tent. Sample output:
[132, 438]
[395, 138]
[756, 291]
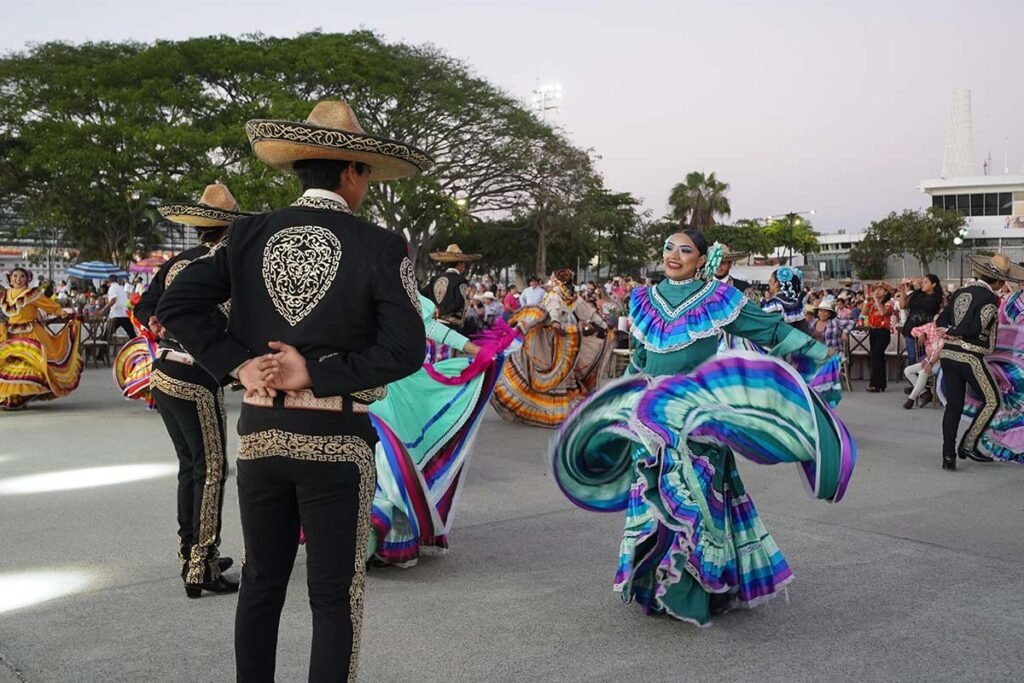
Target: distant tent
[96, 270]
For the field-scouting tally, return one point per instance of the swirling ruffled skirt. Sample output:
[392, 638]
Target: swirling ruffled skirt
[550, 374]
[426, 431]
[39, 365]
[133, 366]
[663, 450]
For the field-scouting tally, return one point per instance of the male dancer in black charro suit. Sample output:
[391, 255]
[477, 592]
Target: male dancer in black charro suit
[191, 404]
[324, 314]
[969, 324]
[451, 291]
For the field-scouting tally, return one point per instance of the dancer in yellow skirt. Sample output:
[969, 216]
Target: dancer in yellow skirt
[35, 364]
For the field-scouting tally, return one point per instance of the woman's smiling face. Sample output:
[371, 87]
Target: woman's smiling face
[681, 257]
[18, 279]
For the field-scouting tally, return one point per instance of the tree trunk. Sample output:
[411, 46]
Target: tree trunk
[542, 249]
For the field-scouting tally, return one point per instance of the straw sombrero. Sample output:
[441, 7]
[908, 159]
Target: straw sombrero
[216, 209]
[728, 255]
[453, 254]
[998, 267]
[332, 131]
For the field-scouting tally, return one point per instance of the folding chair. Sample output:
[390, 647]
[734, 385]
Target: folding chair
[859, 351]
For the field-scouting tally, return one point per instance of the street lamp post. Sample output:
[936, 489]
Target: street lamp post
[959, 241]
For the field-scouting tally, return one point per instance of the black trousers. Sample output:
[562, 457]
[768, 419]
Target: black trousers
[879, 341]
[962, 369]
[331, 501]
[124, 324]
[191, 405]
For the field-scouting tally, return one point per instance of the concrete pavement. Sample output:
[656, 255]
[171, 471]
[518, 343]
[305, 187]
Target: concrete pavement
[915, 576]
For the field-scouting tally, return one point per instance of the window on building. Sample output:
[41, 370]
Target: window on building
[950, 202]
[1005, 203]
[977, 205]
[939, 201]
[991, 204]
[963, 204]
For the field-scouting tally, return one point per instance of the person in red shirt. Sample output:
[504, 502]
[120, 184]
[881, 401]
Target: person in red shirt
[878, 312]
[511, 299]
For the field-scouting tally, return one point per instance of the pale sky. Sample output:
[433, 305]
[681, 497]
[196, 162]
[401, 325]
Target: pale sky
[839, 107]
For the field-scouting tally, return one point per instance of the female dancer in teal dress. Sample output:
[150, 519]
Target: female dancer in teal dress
[427, 423]
[661, 443]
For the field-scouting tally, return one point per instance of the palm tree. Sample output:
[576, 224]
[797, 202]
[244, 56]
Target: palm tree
[699, 199]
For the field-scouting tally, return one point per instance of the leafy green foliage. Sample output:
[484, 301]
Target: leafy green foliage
[95, 131]
[792, 233]
[745, 235]
[925, 235]
[868, 257]
[699, 199]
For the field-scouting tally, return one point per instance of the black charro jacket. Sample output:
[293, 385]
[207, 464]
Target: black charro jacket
[150, 299]
[972, 319]
[312, 275]
[449, 291]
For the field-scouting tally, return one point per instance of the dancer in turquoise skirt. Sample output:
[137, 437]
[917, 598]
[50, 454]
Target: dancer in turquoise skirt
[661, 443]
[427, 423]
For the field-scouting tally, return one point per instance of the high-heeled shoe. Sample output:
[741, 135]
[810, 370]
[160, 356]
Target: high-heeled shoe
[221, 585]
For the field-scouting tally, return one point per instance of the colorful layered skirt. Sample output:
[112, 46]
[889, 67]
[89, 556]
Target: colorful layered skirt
[427, 424]
[36, 365]
[133, 365]
[550, 373]
[663, 450]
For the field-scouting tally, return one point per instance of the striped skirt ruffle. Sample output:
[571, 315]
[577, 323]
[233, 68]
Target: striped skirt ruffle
[33, 370]
[663, 449]
[426, 430]
[550, 374]
[133, 365]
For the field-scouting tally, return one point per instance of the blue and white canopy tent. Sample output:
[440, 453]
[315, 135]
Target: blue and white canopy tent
[96, 270]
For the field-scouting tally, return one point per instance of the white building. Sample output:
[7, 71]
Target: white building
[993, 206]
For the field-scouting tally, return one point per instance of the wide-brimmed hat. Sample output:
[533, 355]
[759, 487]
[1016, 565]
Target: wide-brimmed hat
[488, 295]
[827, 304]
[453, 254]
[332, 131]
[217, 208]
[998, 267]
[728, 255]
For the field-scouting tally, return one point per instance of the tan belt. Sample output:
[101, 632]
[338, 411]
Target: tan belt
[176, 356]
[305, 401]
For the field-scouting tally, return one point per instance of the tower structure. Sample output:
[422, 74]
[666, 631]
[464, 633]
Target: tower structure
[958, 156]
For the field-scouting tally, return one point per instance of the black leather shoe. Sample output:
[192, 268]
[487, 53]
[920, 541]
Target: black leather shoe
[719, 603]
[223, 564]
[949, 464]
[907, 390]
[925, 398]
[221, 585]
[974, 455]
[908, 404]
